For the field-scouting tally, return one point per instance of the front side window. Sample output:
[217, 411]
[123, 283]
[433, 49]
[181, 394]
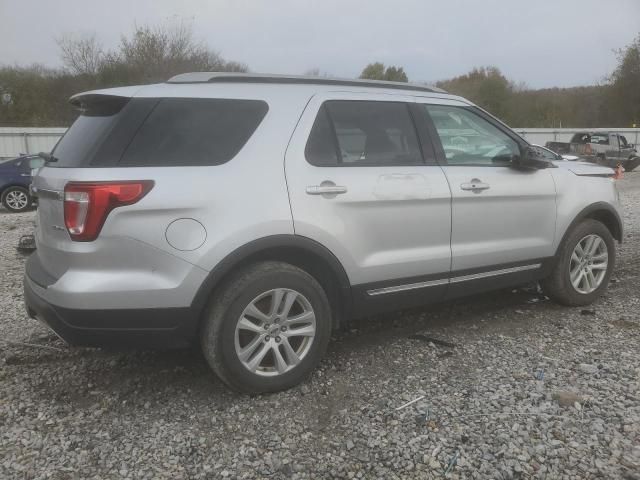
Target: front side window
[469, 139]
[363, 133]
[194, 132]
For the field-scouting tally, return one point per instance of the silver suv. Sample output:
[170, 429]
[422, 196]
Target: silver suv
[255, 214]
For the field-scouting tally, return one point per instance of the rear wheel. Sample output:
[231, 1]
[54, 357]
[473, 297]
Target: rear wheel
[16, 199]
[266, 328]
[584, 267]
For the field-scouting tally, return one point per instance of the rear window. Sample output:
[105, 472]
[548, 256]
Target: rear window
[194, 131]
[80, 142]
[112, 131]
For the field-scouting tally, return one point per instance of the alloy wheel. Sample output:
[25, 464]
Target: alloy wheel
[275, 332]
[588, 264]
[16, 199]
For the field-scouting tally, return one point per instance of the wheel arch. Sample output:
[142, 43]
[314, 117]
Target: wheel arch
[296, 250]
[602, 212]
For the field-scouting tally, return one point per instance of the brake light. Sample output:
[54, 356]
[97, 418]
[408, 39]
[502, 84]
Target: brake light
[87, 204]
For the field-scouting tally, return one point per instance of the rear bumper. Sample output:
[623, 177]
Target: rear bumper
[113, 328]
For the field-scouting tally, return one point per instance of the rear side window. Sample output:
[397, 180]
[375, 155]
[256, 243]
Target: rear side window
[194, 132]
[363, 133]
[321, 149]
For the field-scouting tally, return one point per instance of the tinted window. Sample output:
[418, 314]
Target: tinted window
[98, 115]
[194, 131]
[321, 146]
[79, 143]
[367, 133]
[469, 139]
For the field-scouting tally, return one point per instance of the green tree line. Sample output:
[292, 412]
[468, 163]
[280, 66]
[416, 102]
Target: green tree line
[38, 96]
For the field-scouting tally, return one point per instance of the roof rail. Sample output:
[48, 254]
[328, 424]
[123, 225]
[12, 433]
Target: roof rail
[232, 77]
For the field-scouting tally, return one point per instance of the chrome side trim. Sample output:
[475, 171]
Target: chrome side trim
[495, 273]
[410, 286]
[444, 281]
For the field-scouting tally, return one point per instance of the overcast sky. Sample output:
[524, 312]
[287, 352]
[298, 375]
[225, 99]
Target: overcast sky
[544, 43]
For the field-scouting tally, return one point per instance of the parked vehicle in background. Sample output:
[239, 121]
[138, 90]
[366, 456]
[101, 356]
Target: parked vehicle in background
[15, 182]
[605, 148]
[254, 214]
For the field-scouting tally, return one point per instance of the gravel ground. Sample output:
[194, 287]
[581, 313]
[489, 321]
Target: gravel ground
[521, 388]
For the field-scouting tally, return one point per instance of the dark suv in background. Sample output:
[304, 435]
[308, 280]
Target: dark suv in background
[15, 180]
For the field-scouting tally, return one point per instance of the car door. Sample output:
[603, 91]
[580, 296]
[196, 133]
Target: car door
[20, 172]
[503, 218]
[363, 185]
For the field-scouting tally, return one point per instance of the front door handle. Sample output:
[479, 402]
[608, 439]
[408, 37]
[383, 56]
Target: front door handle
[475, 185]
[327, 188]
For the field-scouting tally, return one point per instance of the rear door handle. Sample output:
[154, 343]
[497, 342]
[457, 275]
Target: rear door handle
[326, 188]
[475, 186]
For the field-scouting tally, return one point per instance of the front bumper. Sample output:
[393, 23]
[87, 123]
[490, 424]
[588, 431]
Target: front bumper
[112, 328]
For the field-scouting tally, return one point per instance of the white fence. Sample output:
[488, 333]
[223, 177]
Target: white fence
[540, 136]
[15, 140]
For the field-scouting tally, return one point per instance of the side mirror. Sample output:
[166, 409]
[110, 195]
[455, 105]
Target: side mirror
[531, 159]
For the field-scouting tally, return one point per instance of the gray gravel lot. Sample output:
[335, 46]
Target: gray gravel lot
[528, 389]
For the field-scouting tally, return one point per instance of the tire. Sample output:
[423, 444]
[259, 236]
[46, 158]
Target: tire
[16, 199]
[559, 286]
[224, 338]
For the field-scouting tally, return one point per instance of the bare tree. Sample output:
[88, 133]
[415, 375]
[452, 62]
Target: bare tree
[82, 55]
[156, 53]
[316, 72]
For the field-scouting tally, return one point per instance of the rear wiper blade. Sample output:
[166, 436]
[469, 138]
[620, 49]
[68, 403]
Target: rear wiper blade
[47, 157]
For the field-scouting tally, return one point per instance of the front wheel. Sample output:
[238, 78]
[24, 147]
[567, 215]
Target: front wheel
[266, 328]
[584, 266]
[16, 199]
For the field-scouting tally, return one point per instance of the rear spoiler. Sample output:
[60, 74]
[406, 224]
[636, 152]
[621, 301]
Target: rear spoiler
[98, 105]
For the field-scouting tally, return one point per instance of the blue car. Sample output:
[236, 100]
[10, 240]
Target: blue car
[15, 179]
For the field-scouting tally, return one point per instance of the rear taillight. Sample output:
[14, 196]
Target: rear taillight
[87, 204]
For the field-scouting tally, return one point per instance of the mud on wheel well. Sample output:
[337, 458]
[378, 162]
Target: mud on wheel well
[310, 262]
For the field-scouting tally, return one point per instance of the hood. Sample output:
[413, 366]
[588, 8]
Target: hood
[585, 168]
